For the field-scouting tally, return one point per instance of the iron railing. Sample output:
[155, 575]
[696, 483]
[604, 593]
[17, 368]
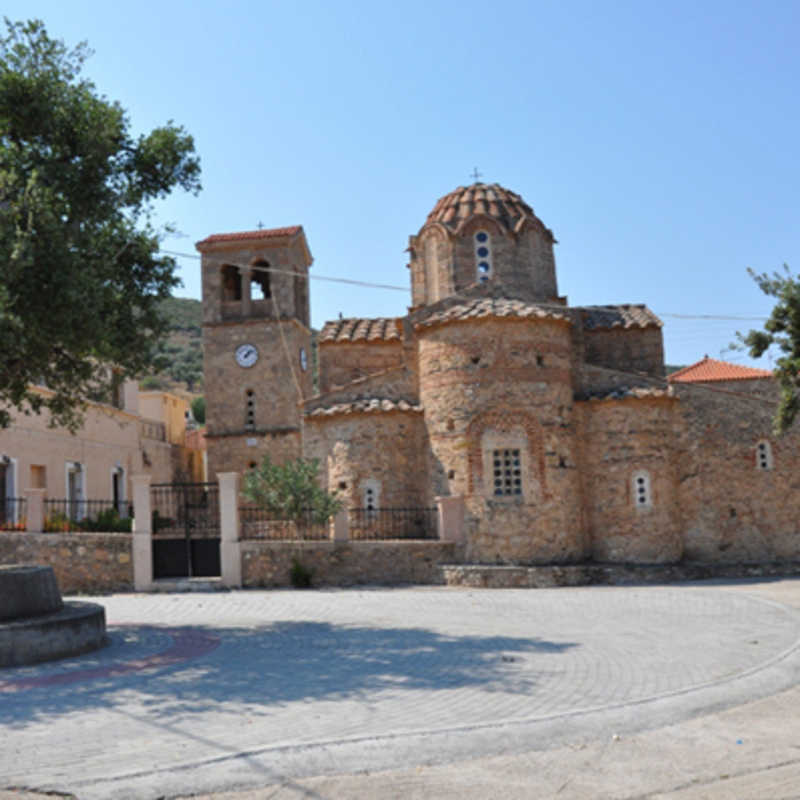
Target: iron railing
[185, 510]
[392, 523]
[72, 516]
[258, 523]
[12, 513]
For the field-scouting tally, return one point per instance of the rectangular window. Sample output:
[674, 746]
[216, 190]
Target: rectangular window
[507, 473]
[38, 476]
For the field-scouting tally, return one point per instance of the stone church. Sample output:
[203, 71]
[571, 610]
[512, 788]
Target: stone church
[554, 423]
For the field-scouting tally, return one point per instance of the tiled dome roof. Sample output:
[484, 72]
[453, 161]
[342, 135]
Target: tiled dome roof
[507, 207]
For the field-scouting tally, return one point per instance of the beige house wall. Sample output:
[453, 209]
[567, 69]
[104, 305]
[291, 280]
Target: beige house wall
[110, 440]
[171, 409]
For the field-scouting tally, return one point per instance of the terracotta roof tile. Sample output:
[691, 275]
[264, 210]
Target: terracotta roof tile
[596, 318]
[383, 329]
[710, 369]
[265, 233]
[505, 206]
[485, 307]
[366, 405]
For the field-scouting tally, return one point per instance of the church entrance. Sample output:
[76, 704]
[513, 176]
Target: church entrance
[186, 530]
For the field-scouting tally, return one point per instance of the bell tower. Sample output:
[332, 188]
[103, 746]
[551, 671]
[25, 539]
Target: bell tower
[256, 345]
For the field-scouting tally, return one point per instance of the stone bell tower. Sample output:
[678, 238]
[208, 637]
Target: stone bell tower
[256, 345]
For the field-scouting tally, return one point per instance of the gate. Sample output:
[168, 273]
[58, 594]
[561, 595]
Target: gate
[186, 532]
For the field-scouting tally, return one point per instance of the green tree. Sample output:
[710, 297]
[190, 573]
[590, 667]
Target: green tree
[290, 490]
[80, 275]
[781, 330]
[199, 410]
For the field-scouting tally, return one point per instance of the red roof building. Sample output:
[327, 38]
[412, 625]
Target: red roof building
[708, 370]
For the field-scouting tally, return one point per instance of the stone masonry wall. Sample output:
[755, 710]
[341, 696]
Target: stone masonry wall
[621, 438]
[632, 350]
[732, 510]
[387, 447]
[342, 362]
[396, 383]
[84, 563]
[289, 301]
[505, 384]
[237, 453]
[268, 564]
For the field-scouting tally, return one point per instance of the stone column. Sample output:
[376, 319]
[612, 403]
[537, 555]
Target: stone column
[142, 534]
[230, 546]
[341, 526]
[34, 510]
[450, 519]
[245, 275]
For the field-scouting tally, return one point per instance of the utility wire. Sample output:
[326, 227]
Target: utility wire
[392, 287]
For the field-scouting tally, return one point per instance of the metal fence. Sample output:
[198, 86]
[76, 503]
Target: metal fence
[73, 516]
[392, 523]
[185, 509]
[12, 513]
[258, 523]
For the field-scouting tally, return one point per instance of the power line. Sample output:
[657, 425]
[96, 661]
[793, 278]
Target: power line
[392, 287]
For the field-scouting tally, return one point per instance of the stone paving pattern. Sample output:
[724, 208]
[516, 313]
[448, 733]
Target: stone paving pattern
[208, 692]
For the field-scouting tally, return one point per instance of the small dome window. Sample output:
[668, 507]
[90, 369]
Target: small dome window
[483, 256]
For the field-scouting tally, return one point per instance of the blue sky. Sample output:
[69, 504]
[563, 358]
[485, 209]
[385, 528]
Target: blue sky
[659, 141]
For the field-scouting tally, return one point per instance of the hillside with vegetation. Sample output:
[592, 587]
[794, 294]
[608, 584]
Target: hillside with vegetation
[180, 353]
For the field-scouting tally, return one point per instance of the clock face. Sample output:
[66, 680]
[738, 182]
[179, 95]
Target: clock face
[246, 355]
[303, 359]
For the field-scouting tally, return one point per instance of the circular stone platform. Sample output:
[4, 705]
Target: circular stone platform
[36, 625]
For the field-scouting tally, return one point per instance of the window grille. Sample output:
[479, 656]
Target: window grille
[507, 473]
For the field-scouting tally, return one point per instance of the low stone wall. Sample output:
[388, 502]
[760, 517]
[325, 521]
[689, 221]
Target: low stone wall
[479, 576]
[269, 564]
[84, 563]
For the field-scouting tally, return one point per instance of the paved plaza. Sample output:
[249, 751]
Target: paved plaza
[679, 691]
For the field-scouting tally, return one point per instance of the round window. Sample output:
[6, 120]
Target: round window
[483, 252]
[482, 236]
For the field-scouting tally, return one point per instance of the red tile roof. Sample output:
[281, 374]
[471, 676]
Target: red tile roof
[381, 329]
[597, 318]
[486, 307]
[710, 369]
[491, 199]
[264, 233]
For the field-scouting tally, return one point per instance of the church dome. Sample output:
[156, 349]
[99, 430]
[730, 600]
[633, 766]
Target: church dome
[489, 199]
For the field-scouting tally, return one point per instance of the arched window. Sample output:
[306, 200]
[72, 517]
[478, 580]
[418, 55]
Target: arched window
[250, 410]
[483, 256]
[231, 283]
[260, 287]
[640, 488]
[763, 455]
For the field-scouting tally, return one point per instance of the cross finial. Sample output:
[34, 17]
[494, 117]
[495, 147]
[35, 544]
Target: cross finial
[475, 174]
[260, 225]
